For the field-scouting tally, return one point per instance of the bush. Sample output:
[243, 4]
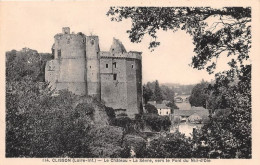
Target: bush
[157, 123]
[151, 109]
[39, 125]
[172, 146]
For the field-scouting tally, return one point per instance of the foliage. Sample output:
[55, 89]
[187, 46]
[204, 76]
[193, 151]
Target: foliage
[199, 95]
[122, 114]
[157, 93]
[26, 62]
[151, 109]
[157, 123]
[167, 93]
[172, 106]
[124, 122]
[152, 91]
[40, 124]
[147, 93]
[110, 113]
[172, 146]
[106, 141]
[216, 33]
[136, 142]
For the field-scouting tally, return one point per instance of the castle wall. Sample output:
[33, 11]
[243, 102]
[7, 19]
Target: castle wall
[134, 86]
[52, 72]
[92, 66]
[114, 76]
[139, 78]
[113, 91]
[71, 46]
[126, 91]
[68, 70]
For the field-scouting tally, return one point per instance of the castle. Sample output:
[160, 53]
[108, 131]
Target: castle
[113, 76]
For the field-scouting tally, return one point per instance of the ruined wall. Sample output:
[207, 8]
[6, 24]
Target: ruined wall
[92, 67]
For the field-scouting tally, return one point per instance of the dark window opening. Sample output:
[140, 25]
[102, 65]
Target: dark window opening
[92, 42]
[106, 65]
[59, 53]
[132, 65]
[114, 64]
[89, 66]
[114, 76]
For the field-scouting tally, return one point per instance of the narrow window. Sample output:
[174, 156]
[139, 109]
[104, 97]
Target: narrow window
[114, 76]
[59, 53]
[132, 65]
[89, 66]
[114, 64]
[106, 65]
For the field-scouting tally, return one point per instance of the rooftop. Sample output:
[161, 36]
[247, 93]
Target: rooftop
[161, 106]
[201, 112]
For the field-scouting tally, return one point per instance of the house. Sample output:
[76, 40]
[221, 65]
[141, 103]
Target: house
[163, 109]
[193, 116]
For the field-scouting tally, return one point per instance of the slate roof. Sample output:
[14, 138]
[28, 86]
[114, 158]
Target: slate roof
[162, 106]
[197, 108]
[202, 112]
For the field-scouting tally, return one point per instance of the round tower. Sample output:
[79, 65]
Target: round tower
[93, 66]
[69, 51]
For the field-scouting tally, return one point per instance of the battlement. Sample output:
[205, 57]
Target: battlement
[71, 36]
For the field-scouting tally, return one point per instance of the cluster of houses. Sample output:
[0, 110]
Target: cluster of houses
[192, 115]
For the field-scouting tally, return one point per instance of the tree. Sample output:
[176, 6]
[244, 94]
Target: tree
[199, 95]
[39, 124]
[151, 109]
[172, 146]
[157, 93]
[147, 93]
[26, 62]
[229, 35]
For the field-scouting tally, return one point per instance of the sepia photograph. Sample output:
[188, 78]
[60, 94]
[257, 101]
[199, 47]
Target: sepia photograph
[126, 82]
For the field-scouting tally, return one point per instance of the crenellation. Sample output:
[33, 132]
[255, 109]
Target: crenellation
[114, 76]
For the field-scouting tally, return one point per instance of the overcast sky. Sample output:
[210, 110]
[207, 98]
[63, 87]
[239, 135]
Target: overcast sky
[34, 25]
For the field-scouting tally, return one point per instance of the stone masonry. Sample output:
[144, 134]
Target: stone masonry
[113, 76]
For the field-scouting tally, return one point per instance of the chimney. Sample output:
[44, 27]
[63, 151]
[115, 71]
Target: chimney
[66, 30]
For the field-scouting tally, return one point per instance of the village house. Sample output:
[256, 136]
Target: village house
[163, 109]
[194, 115]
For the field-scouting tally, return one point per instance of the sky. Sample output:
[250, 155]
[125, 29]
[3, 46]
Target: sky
[34, 25]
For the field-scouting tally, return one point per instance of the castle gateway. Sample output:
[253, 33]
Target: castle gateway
[113, 76]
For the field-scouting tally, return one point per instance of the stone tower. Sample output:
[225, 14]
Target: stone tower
[93, 64]
[113, 76]
[67, 70]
